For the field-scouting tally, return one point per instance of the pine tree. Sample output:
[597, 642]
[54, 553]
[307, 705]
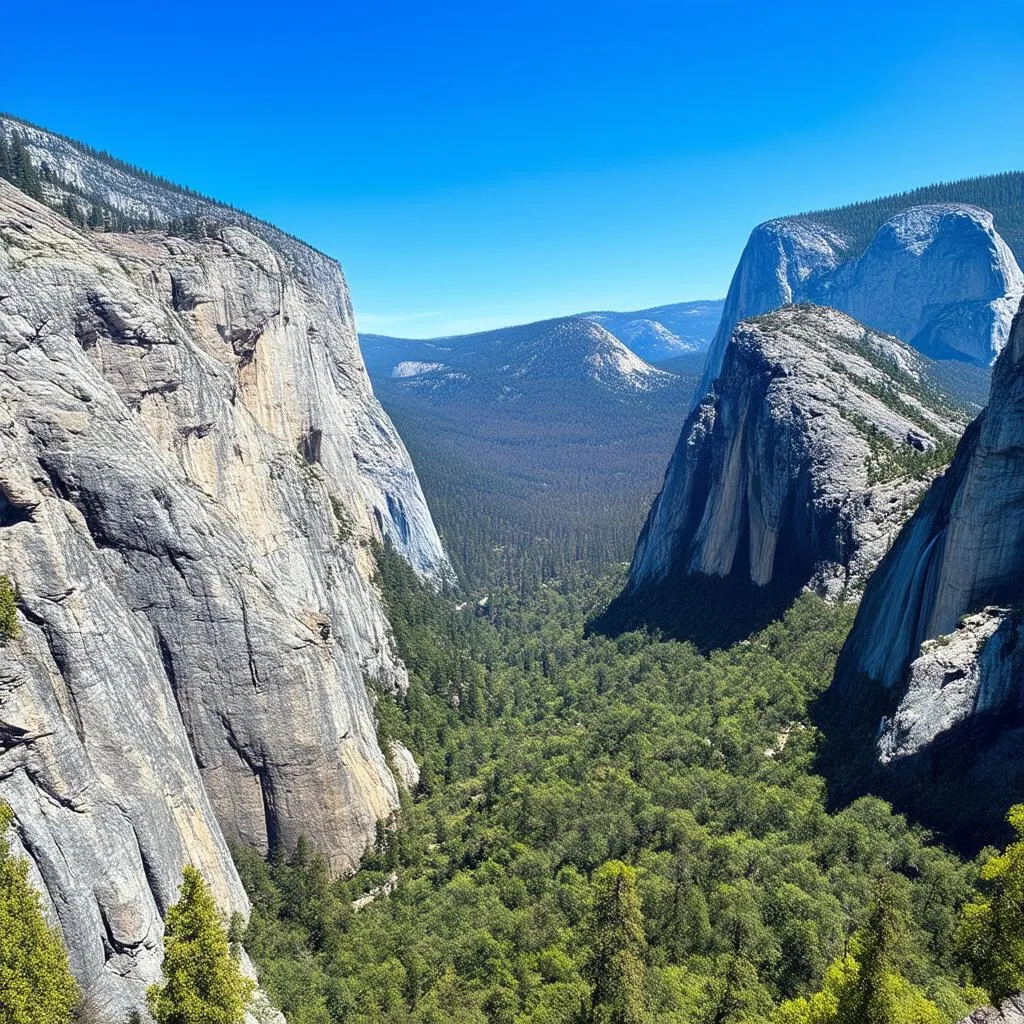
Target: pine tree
[24, 173]
[203, 982]
[6, 165]
[991, 933]
[881, 994]
[36, 985]
[868, 985]
[617, 946]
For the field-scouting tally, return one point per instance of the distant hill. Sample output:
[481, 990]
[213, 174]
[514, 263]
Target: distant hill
[664, 332]
[539, 446]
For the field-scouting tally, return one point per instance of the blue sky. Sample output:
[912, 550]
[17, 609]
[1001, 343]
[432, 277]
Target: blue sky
[479, 164]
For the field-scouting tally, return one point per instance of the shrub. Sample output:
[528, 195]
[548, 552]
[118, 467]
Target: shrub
[10, 628]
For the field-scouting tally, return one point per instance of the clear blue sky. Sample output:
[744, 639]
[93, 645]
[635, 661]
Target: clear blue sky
[478, 164]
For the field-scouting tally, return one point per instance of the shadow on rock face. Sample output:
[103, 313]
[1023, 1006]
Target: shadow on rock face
[960, 786]
[711, 612]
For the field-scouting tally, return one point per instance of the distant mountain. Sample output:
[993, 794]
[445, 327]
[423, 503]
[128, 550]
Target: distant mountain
[539, 445]
[514, 361]
[664, 332]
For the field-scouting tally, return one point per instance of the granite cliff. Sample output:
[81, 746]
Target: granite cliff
[938, 276]
[796, 469]
[193, 470]
[928, 688]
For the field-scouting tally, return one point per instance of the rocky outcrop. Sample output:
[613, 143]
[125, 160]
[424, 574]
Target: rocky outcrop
[939, 277]
[798, 468]
[933, 668]
[1009, 1011]
[193, 468]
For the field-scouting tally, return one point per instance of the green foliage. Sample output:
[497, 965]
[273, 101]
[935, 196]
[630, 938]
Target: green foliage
[991, 935]
[559, 766]
[203, 982]
[534, 489]
[616, 947]
[36, 986]
[10, 628]
[342, 518]
[868, 985]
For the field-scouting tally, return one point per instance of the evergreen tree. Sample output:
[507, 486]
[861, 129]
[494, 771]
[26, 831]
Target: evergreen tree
[991, 934]
[10, 628]
[24, 172]
[203, 982]
[36, 986]
[617, 945]
[6, 164]
[868, 985]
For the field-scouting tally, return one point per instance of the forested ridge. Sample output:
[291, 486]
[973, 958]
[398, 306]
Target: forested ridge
[620, 830]
[520, 497]
[1001, 194]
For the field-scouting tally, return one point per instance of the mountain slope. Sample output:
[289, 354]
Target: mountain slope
[796, 469]
[929, 682]
[664, 332]
[539, 446]
[193, 470]
[939, 276]
[515, 361]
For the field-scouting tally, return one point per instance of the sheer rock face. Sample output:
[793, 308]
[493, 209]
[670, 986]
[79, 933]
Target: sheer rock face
[785, 434]
[299, 391]
[960, 695]
[798, 464]
[192, 466]
[939, 277]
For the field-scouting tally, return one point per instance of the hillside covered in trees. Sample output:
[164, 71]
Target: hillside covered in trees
[539, 447]
[1001, 194]
[625, 831]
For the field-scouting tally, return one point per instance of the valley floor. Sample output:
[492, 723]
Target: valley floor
[617, 830]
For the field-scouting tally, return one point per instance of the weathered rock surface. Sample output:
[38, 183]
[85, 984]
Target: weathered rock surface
[193, 467]
[933, 668]
[939, 277]
[1009, 1011]
[385, 474]
[797, 468]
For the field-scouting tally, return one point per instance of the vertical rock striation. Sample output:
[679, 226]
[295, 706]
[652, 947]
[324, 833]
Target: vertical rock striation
[192, 470]
[798, 468]
[933, 669]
